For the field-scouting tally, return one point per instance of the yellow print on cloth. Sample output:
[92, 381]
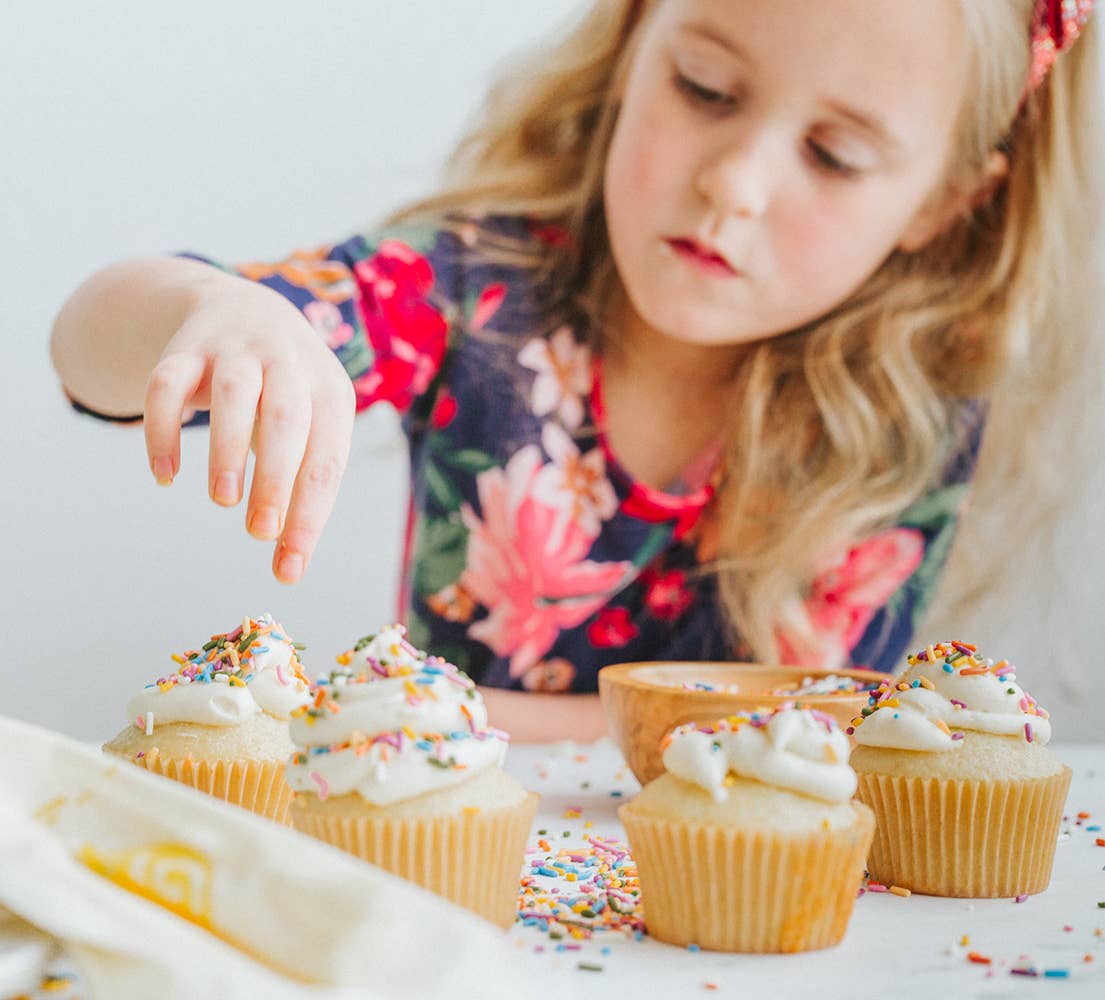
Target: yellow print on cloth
[174, 876]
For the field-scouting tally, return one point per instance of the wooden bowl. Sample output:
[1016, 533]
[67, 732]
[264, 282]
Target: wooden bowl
[645, 701]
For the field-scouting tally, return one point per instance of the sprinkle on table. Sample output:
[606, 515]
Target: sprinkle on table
[576, 892]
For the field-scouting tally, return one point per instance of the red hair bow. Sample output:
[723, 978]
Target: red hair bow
[1055, 26]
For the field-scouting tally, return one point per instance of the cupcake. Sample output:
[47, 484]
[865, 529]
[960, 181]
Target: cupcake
[395, 763]
[952, 758]
[220, 722]
[750, 841]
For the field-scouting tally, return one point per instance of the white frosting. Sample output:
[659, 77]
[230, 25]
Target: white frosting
[939, 699]
[390, 724]
[265, 681]
[381, 774]
[386, 704]
[797, 749]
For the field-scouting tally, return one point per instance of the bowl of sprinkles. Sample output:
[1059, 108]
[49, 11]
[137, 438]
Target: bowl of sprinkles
[645, 701]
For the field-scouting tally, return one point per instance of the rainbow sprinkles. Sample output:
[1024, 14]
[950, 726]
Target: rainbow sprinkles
[390, 722]
[234, 675]
[949, 687]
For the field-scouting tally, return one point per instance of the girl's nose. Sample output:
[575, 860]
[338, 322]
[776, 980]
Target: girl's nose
[737, 179]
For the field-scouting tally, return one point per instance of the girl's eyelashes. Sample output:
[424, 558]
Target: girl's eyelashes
[716, 101]
[702, 95]
[826, 161]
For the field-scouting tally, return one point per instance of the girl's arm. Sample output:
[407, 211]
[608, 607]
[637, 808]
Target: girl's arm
[160, 337]
[113, 329]
[545, 718]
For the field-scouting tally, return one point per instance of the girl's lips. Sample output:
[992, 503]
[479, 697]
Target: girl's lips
[702, 257]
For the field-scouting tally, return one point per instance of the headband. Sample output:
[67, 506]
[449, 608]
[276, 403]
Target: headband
[1055, 26]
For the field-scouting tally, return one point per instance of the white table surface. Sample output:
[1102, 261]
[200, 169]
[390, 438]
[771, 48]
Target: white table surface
[895, 946]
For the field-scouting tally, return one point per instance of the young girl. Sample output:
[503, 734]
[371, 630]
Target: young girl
[693, 352]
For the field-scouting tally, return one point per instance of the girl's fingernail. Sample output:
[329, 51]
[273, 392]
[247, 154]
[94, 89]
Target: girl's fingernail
[162, 468]
[265, 523]
[226, 488]
[290, 567]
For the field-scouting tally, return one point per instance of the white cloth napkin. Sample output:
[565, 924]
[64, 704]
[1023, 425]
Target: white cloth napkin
[195, 898]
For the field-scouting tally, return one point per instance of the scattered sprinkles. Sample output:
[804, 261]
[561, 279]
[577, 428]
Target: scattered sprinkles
[576, 892]
[562, 894]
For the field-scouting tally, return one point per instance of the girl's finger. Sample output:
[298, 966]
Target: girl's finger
[235, 390]
[172, 384]
[283, 422]
[316, 486]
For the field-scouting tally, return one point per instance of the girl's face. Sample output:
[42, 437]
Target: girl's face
[768, 157]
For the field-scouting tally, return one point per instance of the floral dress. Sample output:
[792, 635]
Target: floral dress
[532, 557]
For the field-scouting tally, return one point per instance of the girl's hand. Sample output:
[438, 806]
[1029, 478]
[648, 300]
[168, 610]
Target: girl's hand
[251, 358]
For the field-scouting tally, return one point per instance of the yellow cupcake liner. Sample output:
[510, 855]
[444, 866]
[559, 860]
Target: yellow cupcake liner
[258, 786]
[731, 890]
[973, 839]
[473, 859]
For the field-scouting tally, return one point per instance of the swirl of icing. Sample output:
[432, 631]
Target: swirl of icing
[391, 723]
[799, 749]
[949, 687]
[234, 676]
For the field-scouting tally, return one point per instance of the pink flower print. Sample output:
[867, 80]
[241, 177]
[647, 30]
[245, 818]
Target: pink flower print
[487, 305]
[847, 592]
[325, 317]
[666, 594]
[613, 628]
[563, 375]
[574, 482]
[534, 581]
[551, 676]
[445, 409]
[406, 332]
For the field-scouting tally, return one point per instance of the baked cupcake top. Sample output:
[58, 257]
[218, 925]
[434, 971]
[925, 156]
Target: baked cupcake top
[232, 677]
[799, 749]
[390, 723]
[949, 687]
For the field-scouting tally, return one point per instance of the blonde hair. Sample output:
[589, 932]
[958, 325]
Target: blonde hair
[848, 420]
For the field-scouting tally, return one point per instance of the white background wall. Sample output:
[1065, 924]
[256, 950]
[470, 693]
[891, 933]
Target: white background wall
[245, 129]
